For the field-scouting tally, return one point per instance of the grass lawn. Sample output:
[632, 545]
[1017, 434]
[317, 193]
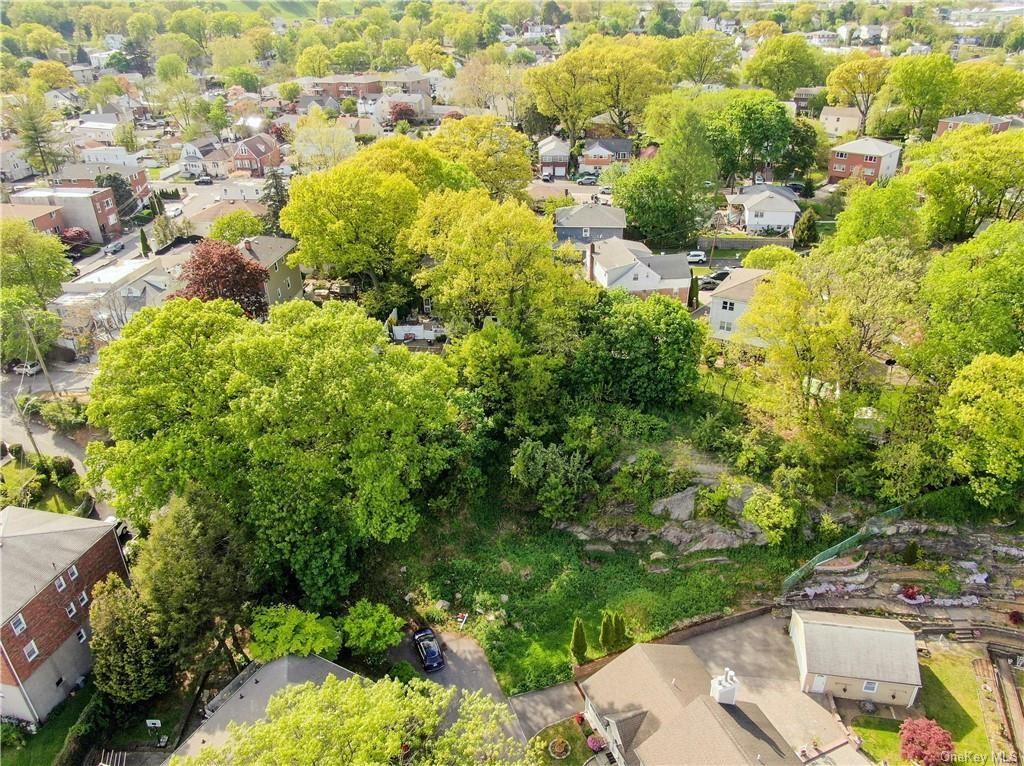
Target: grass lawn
[548, 578]
[881, 738]
[168, 708]
[286, 9]
[572, 734]
[949, 695]
[42, 748]
[54, 499]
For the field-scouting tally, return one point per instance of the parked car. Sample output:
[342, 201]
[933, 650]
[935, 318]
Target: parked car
[719, 275]
[114, 247]
[606, 190]
[707, 283]
[796, 186]
[587, 181]
[204, 181]
[28, 368]
[758, 178]
[697, 256]
[547, 178]
[428, 648]
[173, 212]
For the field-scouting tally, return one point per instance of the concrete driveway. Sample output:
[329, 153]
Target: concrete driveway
[467, 669]
[539, 709]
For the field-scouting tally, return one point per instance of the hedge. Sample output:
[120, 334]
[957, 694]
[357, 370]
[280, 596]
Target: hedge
[98, 719]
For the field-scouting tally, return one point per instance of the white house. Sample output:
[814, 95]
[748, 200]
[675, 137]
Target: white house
[13, 166]
[554, 156]
[113, 155]
[763, 210]
[97, 127]
[730, 301]
[839, 120]
[621, 263]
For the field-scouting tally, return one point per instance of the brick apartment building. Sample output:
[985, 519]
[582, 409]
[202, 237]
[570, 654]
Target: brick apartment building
[46, 219]
[50, 564]
[371, 85]
[867, 158]
[996, 124]
[82, 175]
[92, 208]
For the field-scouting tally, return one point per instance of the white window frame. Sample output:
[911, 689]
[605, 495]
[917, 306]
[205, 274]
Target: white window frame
[869, 171]
[83, 598]
[71, 609]
[73, 572]
[19, 619]
[81, 635]
[279, 294]
[60, 585]
[839, 168]
[840, 155]
[31, 651]
[728, 306]
[870, 687]
[277, 266]
[724, 326]
[585, 231]
[288, 282]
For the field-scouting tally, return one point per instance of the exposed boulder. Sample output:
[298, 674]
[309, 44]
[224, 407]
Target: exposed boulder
[679, 506]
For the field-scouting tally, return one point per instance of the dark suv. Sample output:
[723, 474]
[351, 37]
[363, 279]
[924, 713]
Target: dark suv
[428, 648]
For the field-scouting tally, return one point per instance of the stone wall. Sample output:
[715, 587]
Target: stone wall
[741, 243]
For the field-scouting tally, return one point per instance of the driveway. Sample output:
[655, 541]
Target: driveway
[467, 669]
[539, 709]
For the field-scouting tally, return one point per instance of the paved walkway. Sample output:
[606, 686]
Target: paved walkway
[537, 710]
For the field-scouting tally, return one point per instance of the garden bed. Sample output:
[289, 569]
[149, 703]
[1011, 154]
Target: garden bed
[571, 732]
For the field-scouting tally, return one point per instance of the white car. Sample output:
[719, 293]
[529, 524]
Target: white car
[697, 256]
[28, 368]
[173, 212]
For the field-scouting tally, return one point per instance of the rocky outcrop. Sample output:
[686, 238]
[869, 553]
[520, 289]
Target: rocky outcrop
[678, 507]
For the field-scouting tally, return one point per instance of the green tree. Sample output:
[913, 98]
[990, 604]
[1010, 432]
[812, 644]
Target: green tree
[170, 67]
[128, 662]
[746, 130]
[889, 211]
[805, 233]
[278, 631]
[51, 74]
[774, 516]
[806, 150]
[315, 393]
[144, 243]
[981, 424]
[769, 256]
[19, 306]
[428, 55]
[274, 196]
[193, 575]
[289, 91]
[235, 226]
[319, 143]
[123, 192]
[782, 64]
[190, 22]
[566, 91]
[314, 61]
[578, 645]
[141, 27]
[641, 352]
[218, 118]
[498, 155]
[351, 56]
[33, 122]
[624, 79]
[984, 86]
[33, 260]
[705, 57]
[856, 82]
[244, 77]
[923, 84]
[180, 45]
[125, 136]
[371, 629]
[362, 721]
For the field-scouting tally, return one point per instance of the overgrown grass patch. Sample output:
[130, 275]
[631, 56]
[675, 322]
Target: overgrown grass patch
[42, 748]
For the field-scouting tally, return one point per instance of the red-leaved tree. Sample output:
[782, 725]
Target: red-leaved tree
[402, 111]
[76, 235]
[923, 741]
[219, 270]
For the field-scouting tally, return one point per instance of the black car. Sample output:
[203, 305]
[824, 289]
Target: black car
[796, 186]
[707, 283]
[428, 648]
[719, 276]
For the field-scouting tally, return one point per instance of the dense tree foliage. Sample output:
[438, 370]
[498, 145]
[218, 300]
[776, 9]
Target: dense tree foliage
[33, 260]
[278, 631]
[218, 270]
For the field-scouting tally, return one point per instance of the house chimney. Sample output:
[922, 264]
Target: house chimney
[247, 244]
[725, 687]
[589, 257]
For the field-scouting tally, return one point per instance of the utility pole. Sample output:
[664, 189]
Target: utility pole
[35, 347]
[24, 422]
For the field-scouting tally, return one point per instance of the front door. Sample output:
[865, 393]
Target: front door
[819, 684]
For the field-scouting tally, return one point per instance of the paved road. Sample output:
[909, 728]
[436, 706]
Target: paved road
[467, 669]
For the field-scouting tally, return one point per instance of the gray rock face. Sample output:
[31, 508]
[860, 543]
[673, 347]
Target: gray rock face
[719, 540]
[599, 547]
[678, 507]
[442, 604]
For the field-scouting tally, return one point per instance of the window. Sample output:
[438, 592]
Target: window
[82, 598]
[61, 585]
[623, 155]
[840, 155]
[277, 266]
[636, 276]
[728, 306]
[870, 158]
[758, 214]
[725, 326]
[869, 172]
[73, 572]
[31, 652]
[108, 203]
[71, 610]
[18, 624]
[80, 633]
[288, 283]
[586, 232]
[838, 168]
[871, 686]
[279, 295]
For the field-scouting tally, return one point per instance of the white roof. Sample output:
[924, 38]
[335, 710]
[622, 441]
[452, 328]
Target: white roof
[851, 646]
[552, 145]
[766, 201]
[867, 145]
[840, 111]
[740, 284]
[115, 272]
[615, 252]
[62, 191]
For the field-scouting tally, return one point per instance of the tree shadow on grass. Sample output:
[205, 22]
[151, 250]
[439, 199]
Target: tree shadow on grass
[943, 707]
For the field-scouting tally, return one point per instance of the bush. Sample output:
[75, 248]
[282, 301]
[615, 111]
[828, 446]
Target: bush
[644, 480]
[70, 485]
[169, 193]
[64, 415]
[61, 466]
[28, 403]
[955, 505]
[90, 249]
[923, 741]
[403, 671]
[911, 553]
[99, 718]
[830, 531]
[12, 736]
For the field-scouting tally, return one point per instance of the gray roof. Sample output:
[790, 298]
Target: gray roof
[614, 252]
[975, 118]
[659, 697]
[248, 702]
[590, 215]
[78, 170]
[269, 250]
[740, 284]
[614, 145]
[667, 266]
[851, 646]
[37, 546]
[783, 191]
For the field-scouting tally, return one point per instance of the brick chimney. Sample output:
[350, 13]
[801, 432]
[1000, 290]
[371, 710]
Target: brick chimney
[247, 244]
[589, 258]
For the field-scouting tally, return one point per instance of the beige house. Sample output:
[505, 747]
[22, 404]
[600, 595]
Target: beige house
[854, 657]
[284, 282]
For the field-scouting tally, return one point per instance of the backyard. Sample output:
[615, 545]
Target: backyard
[42, 748]
[53, 499]
[949, 695]
[571, 732]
